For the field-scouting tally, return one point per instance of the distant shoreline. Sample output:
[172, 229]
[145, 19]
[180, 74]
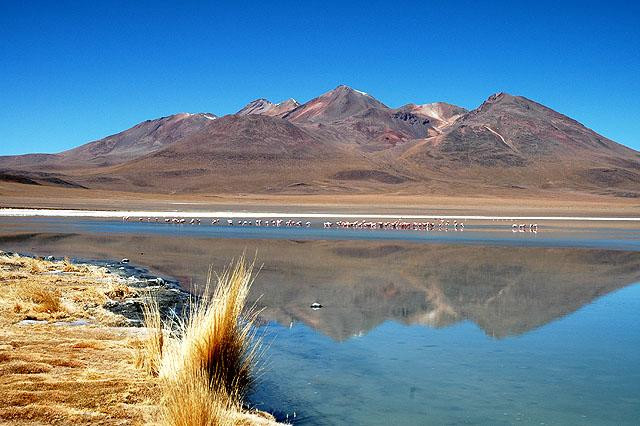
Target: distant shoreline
[112, 214]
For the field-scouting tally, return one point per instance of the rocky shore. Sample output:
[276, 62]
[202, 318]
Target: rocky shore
[71, 341]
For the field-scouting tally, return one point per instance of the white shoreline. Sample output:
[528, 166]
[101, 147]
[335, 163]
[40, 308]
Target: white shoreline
[113, 214]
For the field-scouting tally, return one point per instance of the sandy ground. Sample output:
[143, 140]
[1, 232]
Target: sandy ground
[518, 204]
[63, 357]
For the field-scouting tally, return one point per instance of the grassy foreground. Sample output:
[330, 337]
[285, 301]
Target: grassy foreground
[65, 359]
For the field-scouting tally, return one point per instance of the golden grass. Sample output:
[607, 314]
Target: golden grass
[57, 290]
[47, 299]
[150, 351]
[190, 400]
[52, 374]
[95, 374]
[207, 370]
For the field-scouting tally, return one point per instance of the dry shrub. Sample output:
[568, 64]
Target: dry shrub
[36, 268]
[207, 371]
[120, 291]
[67, 266]
[48, 300]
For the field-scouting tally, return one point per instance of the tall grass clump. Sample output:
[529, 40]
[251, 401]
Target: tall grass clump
[150, 354]
[47, 299]
[207, 367]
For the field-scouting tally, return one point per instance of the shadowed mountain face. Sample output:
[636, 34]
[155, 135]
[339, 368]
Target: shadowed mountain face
[346, 141]
[504, 290]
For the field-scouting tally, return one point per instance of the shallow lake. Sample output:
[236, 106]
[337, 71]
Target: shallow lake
[483, 326]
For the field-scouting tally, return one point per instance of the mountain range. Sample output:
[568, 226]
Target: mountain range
[346, 141]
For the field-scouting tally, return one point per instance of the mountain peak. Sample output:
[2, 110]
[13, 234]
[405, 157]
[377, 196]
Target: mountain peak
[347, 89]
[503, 100]
[336, 104]
[262, 106]
[257, 106]
[500, 96]
[289, 102]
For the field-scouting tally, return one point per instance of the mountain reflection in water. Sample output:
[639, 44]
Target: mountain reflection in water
[361, 284]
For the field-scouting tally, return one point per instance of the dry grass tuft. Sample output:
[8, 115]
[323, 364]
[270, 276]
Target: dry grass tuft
[56, 374]
[191, 400]
[207, 371]
[120, 291]
[47, 299]
[149, 354]
[216, 337]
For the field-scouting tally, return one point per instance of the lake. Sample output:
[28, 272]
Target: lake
[484, 326]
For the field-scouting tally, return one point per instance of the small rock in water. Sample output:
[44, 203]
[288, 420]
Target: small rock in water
[125, 260]
[50, 258]
[315, 306]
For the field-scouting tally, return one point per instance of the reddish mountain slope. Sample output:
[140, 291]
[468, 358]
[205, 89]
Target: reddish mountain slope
[513, 141]
[247, 153]
[337, 104]
[347, 141]
[144, 138]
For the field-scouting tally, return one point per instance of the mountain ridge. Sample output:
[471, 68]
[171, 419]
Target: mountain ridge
[345, 140]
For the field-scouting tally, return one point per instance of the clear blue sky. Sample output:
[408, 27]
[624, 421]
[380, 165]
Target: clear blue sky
[71, 72]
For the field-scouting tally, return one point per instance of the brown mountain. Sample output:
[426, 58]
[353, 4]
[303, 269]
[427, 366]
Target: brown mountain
[347, 141]
[439, 112]
[246, 153]
[513, 141]
[338, 104]
[144, 138]
[264, 107]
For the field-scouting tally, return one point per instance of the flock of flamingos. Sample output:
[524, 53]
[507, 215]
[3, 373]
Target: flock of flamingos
[436, 225]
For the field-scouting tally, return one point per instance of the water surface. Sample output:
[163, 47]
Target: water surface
[480, 327]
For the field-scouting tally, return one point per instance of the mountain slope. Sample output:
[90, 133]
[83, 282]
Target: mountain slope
[334, 105]
[264, 107]
[144, 138]
[347, 141]
[248, 153]
[141, 139]
[439, 114]
[511, 141]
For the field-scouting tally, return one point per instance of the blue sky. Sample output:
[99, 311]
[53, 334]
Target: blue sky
[71, 72]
